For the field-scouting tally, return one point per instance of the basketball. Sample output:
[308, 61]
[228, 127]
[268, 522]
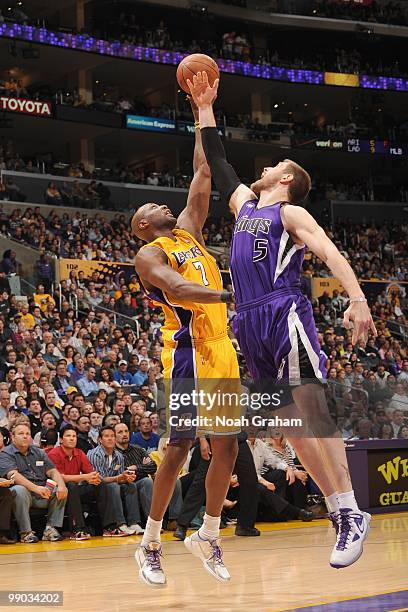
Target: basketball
[194, 63]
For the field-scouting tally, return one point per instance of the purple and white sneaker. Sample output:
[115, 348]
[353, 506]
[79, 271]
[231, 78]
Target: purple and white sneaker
[352, 530]
[210, 554]
[150, 569]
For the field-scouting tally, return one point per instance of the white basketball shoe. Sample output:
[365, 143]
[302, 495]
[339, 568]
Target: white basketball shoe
[210, 554]
[150, 569]
[352, 530]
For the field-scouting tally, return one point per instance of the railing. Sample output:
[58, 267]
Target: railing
[119, 319]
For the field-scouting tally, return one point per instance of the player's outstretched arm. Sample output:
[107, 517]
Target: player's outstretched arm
[228, 184]
[193, 217]
[152, 266]
[304, 230]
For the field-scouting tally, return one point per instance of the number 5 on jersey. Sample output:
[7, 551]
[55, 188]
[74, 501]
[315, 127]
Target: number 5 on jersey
[260, 249]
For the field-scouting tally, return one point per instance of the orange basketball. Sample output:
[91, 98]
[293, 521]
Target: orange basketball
[197, 62]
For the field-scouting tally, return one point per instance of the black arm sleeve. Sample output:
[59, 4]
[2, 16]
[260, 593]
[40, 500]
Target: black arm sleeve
[224, 175]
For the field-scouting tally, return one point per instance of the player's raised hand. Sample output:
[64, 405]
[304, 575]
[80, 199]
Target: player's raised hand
[360, 314]
[201, 91]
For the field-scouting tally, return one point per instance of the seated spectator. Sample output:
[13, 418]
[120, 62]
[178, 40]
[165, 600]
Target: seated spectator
[6, 505]
[122, 376]
[42, 299]
[397, 421]
[145, 437]
[34, 415]
[294, 489]
[47, 422]
[403, 432]
[62, 381]
[109, 463]
[30, 477]
[272, 507]
[142, 374]
[51, 403]
[84, 441]
[49, 440]
[6, 496]
[96, 424]
[146, 396]
[52, 195]
[83, 483]
[87, 384]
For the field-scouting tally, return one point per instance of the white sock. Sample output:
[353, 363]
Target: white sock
[210, 529]
[332, 502]
[347, 500]
[151, 532]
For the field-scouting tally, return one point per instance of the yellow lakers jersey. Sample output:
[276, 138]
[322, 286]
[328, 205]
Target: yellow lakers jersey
[186, 320]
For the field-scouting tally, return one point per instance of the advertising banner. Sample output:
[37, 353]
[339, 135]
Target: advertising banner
[103, 268]
[27, 107]
[152, 124]
[388, 477]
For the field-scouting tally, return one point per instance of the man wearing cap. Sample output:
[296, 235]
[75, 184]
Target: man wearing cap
[121, 375]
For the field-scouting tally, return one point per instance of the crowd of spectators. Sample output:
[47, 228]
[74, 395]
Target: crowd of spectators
[69, 367]
[315, 54]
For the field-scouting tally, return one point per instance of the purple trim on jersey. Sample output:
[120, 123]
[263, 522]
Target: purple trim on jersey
[183, 375]
[156, 294]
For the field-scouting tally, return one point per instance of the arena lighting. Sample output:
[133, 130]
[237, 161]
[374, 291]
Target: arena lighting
[84, 42]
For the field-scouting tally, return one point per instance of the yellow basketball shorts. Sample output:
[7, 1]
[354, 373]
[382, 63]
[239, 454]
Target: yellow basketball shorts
[202, 389]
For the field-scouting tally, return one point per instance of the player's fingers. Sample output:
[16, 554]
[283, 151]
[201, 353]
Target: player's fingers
[199, 77]
[190, 85]
[215, 84]
[205, 78]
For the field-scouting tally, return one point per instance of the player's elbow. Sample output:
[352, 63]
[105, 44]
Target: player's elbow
[178, 290]
[203, 170]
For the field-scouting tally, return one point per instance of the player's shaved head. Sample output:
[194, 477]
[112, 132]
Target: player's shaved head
[152, 220]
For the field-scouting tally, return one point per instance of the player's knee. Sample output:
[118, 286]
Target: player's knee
[225, 450]
[177, 454]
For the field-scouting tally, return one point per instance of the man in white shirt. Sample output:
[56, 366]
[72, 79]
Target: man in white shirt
[399, 400]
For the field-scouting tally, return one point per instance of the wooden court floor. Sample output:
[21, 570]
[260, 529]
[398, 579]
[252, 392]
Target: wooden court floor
[284, 569]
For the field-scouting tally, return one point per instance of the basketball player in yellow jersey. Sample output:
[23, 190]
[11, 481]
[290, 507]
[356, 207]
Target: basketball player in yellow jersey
[178, 273]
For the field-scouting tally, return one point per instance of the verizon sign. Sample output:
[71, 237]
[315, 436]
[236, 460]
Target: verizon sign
[28, 107]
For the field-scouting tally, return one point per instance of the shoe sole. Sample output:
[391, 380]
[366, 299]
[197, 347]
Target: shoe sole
[51, 540]
[30, 542]
[143, 578]
[367, 517]
[190, 548]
